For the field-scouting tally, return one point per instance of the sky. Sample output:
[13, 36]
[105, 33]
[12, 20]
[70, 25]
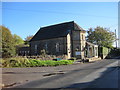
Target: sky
[25, 18]
[119, 25]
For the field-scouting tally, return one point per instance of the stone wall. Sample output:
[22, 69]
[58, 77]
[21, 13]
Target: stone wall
[78, 43]
[69, 51]
[56, 46]
[73, 43]
[83, 43]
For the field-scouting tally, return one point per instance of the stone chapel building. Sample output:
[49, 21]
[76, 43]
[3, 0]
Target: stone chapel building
[60, 39]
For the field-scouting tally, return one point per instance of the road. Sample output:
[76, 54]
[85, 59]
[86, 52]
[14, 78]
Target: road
[100, 74]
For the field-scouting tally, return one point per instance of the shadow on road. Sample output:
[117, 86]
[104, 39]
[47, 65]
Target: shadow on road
[109, 79]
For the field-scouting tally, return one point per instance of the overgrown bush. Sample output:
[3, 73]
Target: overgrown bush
[16, 62]
[24, 62]
[72, 58]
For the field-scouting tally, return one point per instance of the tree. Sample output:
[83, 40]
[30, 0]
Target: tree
[28, 38]
[101, 36]
[8, 45]
[18, 40]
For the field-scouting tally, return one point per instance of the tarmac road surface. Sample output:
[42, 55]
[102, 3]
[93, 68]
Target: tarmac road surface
[100, 74]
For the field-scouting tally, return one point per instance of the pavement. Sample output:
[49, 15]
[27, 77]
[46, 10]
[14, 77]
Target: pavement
[65, 76]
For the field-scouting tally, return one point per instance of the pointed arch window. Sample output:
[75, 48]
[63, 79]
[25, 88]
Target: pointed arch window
[36, 49]
[57, 47]
[46, 46]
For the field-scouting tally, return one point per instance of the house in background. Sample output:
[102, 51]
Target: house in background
[23, 51]
[91, 50]
[63, 39]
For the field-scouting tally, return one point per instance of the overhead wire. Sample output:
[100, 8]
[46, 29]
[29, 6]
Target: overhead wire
[58, 12]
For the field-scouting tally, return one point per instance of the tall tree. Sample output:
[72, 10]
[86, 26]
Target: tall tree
[8, 45]
[18, 40]
[28, 38]
[101, 36]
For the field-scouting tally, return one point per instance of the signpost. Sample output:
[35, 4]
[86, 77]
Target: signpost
[77, 53]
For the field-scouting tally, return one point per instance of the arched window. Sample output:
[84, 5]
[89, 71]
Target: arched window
[82, 37]
[46, 46]
[57, 47]
[36, 49]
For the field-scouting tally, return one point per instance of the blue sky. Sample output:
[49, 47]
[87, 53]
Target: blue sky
[25, 18]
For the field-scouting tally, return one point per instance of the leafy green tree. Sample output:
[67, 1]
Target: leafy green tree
[8, 45]
[18, 40]
[101, 36]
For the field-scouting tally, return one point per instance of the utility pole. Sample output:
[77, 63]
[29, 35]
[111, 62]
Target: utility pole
[116, 38]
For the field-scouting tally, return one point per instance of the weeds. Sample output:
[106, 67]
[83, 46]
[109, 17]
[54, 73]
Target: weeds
[24, 62]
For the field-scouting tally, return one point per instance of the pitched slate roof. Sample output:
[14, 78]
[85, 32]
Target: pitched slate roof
[55, 31]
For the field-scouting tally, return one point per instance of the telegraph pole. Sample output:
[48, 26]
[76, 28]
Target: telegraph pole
[116, 38]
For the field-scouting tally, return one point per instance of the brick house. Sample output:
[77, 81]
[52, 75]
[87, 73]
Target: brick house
[61, 39]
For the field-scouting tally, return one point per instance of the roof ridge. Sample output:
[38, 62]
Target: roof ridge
[57, 24]
[55, 31]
